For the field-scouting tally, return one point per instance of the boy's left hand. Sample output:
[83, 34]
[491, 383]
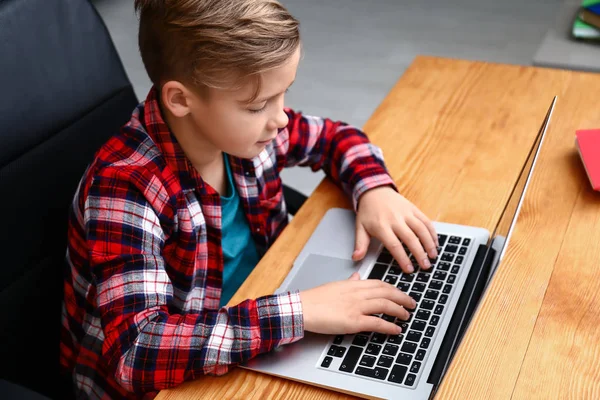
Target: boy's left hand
[391, 218]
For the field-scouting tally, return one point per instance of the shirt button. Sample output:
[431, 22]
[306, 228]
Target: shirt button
[247, 173]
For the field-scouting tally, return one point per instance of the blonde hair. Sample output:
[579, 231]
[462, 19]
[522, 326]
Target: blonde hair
[214, 43]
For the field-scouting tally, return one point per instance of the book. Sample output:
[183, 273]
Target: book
[581, 29]
[588, 146]
[591, 15]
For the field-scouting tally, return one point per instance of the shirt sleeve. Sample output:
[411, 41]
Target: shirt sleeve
[343, 152]
[149, 345]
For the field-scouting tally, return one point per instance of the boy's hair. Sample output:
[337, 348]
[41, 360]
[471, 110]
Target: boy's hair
[214, 43]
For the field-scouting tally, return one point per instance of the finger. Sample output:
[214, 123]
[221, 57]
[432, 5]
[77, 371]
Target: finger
[361, 242]
[427, 242]
[376, 324]
[429, 225]
[354, 277]
[389, 294]
[409, 238]
[392, 243]
[384, 306]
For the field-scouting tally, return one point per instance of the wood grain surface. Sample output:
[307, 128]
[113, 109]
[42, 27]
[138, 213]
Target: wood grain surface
[455, 135]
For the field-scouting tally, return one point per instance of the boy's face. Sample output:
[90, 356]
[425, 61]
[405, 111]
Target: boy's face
[227, 122]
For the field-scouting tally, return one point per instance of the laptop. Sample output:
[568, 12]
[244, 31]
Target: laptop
[410, 365]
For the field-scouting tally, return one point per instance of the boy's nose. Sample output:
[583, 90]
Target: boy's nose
[281, 120]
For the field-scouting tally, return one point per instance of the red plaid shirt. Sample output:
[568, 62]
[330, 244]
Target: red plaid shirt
[141, 308]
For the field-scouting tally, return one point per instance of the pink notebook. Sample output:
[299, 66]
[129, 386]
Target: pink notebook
[588, 145]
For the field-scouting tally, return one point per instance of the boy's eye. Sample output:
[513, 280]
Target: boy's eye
[257, 110]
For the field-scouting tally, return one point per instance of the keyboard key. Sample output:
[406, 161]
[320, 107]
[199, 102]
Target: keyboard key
[454, 240]
[397, 374]
[452, 278]
[385, 361]
[338, 339]
[439, 309]
[395, 270]
[378, 272]
[407, 277]
[430, 331]
[409, 347]
[455, 269]
[437, 285]
[360, 340]
[403, 325]
[415, 367]
[444, 266]
[462, 251]
[404, 359]
[439, 275]
[326, 362]
[378, 373]
[410, 380]
[385, 257]
[373, 349]
[466, 242]
[339, 352]
[442, 239]
[443, 299]
[423, 314]
[447, 289]
[427, 304]
[451, 248]
[351, 359]
[413, 336]
[404, 286]
[390, 349]
[459, 259]
[391, 279]
[421, 277]
[448, 257]
[425, 343]
[434, 320]
[367, 361]
[420, 355]
[395, 339]
[416, 296]
[378, 338]
[332, 350]
[432, 294]
[418, 287]
[388, 318]
[418, 325]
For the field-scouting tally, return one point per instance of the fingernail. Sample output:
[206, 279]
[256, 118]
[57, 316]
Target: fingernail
[426, 263]
[399, 330]
[410, 269]
[414, 303]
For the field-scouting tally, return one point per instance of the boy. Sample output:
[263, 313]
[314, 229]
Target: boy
[176, 209]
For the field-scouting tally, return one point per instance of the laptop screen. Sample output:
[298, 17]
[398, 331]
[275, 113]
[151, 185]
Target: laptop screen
[506, 224]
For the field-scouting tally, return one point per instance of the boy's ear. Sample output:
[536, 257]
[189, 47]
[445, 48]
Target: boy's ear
[176, 98]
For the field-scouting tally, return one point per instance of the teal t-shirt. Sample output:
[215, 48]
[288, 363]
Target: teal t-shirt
[239, 251]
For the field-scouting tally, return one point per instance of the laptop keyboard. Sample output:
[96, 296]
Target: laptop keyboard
[398, 359]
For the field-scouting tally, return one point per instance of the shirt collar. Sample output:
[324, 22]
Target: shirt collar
[159, 131]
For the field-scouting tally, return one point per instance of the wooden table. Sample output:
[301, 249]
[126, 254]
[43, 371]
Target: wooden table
[455, 135]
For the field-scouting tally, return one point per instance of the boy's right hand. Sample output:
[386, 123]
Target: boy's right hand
[348, 307]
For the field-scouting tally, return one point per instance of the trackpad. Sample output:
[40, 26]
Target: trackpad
[317, 270]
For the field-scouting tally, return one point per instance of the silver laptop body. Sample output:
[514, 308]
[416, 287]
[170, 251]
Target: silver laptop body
[412, 365]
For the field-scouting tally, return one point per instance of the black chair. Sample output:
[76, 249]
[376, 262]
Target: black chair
[64, 92]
